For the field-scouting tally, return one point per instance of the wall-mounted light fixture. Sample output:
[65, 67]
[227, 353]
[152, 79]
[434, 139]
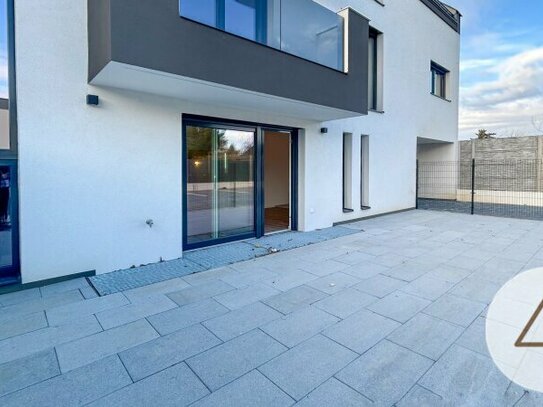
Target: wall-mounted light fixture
[324, 130]
[93, 100]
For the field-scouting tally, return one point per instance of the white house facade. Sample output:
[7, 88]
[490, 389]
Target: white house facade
[137, 130]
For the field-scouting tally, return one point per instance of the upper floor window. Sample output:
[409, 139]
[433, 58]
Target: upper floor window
[374, 70]
[439, 80]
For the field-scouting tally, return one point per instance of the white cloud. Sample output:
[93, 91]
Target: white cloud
[509, 102]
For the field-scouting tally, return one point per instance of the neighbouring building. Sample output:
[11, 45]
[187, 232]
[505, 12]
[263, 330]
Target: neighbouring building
[141, 129]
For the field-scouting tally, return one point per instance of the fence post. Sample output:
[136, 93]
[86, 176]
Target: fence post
[472, 186]
[417, 188]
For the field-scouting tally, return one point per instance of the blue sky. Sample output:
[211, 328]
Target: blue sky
[501, 66]
[3, 54]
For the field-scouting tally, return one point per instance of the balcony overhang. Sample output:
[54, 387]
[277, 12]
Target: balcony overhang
[145, 46]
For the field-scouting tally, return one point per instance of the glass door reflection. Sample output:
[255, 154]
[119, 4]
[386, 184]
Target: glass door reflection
[220, 188]
[8, 224]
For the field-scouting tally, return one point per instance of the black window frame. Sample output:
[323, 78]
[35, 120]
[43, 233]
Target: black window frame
[373, 72]
[438, 70]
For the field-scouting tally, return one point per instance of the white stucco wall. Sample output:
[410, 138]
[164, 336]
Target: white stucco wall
[91, 176]
[413, 36]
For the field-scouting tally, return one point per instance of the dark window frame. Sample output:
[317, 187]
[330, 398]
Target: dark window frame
[374, 72]
[438, 70]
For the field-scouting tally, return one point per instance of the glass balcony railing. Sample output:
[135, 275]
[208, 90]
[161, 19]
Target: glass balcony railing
[300, 27]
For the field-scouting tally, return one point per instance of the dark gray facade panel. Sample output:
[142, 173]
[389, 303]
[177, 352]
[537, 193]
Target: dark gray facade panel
[439, 9]
[99, 32]
[151, 34]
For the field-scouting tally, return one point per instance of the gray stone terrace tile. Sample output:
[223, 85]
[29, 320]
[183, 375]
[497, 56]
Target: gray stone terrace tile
[334, 393]
[420, 397]
[18, 325]
[200, 292]
[231, 360]
[289, 371]
[241, 297]
[427, 287]
[345, 302]
[86, 350]
[379, 286]
[78, 387]
[164, 287]
[251, 390]
[477, 289]
[449, 273]
[178, 318]
[41, 304]
[454, 309]
[324, 268]
[361, 330]
[42, 339]
[474, 338]
[426, 335]
[146, 307]
[299, 326]
[399, 306]
[74, 311]
[176, 387]
[290, 279]
[294, 299]
[241, 321]
[69, 285]
[365, 270]
[485, 385]
[334, 283]
[409, 271]
[146, 359]
[354, 257]
[385, 373]
[20, 296]
[24, 372]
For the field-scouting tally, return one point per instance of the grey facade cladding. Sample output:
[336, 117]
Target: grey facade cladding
[152, 35]
[453, 20]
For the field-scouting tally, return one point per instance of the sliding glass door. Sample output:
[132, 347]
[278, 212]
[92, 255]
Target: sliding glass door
[219, 184]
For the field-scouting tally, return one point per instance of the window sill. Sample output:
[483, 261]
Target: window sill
[441, 97]
[347, 210]
[376, 111]
[365, 208]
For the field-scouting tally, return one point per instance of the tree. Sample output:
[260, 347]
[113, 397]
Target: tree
[483, 134]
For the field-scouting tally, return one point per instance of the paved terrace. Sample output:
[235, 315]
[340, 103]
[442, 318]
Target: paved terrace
[392, 315]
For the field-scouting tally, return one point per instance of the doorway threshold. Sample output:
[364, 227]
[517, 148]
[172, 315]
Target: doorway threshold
[198, 260]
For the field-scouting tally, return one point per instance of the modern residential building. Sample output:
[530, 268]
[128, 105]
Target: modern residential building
[142, 129]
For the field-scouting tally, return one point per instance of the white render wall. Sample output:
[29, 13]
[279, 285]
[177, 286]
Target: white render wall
[91, 176]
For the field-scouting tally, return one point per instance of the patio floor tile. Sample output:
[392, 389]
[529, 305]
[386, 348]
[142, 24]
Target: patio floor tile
[289, 371]
[385, 373]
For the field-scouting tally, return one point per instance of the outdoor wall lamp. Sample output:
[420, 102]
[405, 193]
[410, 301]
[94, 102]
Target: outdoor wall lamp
[93, 100]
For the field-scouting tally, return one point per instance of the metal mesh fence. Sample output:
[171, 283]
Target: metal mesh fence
[506, 188]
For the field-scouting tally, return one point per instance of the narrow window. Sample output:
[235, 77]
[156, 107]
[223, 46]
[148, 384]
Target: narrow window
[364, 172]
[347, 172]
[439, 80]
[373, 70]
